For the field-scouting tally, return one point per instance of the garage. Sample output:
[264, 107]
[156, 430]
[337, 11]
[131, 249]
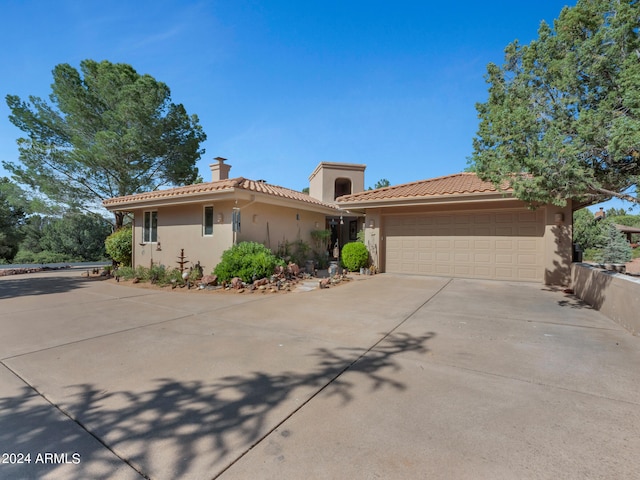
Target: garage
[461, 226]
[504, 245]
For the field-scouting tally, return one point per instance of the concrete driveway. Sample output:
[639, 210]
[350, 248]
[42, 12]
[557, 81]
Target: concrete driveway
[389, 377]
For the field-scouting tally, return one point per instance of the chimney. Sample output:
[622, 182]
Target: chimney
[219, 171]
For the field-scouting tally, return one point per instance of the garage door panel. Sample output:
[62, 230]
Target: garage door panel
[491, 244]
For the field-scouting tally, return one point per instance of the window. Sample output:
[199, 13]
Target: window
[207, 221]
[150, 227]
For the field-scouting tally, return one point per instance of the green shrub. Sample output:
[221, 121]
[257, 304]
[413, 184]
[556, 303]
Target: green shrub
[615, 248]
[247, 260]
[355, 256]
[127, 273]
[119, 246]
[297, 252]
[27, 256]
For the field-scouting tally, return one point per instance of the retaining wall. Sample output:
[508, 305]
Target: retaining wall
[613, 294]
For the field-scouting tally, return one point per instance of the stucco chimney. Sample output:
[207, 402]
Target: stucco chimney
[219, 171]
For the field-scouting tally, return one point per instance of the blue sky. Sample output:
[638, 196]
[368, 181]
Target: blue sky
[280, 86]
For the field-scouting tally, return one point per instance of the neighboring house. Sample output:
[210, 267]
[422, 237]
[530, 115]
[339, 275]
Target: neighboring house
[454, 226]
[206, 219]
[460, 226]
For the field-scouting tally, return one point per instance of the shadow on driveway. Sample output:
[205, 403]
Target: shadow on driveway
[25, 285]
[179, 426]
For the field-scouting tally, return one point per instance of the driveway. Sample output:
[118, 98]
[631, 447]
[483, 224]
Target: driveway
[388, 377]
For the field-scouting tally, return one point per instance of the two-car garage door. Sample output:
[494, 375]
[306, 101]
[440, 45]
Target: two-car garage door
[505, 244]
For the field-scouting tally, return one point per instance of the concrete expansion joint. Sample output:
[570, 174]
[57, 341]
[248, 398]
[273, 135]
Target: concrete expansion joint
[332, 380]
[74, 420]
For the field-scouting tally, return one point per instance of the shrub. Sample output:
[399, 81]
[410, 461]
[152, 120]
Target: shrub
[27, 256]
[615, 248]
[297, 252]
[247, 260]
[119, 246]
[355, 256]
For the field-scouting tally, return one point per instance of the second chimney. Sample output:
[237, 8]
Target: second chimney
[220, 170]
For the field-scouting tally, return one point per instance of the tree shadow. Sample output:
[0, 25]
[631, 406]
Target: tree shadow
[11, 287]
[180, 429]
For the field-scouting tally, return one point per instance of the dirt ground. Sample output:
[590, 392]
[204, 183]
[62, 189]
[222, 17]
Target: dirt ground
[633, 266]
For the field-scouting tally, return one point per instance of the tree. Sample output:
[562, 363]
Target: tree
[383, 182]
[12, 216]
[108, 132]
[563, 115]
[77, 236]
[587, 231]
[615, 248]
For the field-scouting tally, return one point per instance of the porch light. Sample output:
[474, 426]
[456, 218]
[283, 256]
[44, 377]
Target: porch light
[220, 218]
[559, 218]
[372, 223]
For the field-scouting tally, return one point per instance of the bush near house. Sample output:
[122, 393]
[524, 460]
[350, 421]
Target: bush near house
[355, 256]
[119, 246]
[248, 261]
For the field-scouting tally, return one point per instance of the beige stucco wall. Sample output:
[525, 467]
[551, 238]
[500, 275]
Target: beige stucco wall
[558, 238]
[322, 180]
[180, 227]
[615, 295]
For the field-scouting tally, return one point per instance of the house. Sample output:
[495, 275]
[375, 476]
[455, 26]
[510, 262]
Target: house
[460, 226]
[204, 220]
[454, 226]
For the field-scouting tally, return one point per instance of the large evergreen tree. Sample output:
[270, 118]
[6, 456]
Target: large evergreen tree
[563, 115]
[107, 132]
[12, 214]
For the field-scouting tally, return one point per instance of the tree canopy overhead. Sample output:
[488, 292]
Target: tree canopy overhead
[563, 115]
[107, 131]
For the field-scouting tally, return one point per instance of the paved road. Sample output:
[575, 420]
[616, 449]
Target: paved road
[389, 377]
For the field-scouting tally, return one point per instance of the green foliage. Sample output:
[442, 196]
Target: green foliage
[563, 115]
[615, 248]
[77, 235]
[108, 132]
[296, 252]
[586, 229]
[12, 216]
[355, 256]
[27, 256]
[119, 246]
[321, 240]
[246, 260]
[383, 182]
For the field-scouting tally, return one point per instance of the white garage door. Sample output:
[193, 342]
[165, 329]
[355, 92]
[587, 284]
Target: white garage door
[505, 245]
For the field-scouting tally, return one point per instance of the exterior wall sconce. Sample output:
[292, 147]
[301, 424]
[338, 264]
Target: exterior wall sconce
[559, 218]
[372, 223]
[341, 220]
[254, 219]
[158, 247]
[220, 218]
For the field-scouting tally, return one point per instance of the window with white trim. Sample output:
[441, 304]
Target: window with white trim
[207, 221]
[150, 227]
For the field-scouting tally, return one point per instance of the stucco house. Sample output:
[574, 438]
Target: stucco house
[454, 226]
[206, 219]
[460, 226]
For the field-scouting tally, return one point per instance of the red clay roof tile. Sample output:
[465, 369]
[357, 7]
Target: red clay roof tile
[217, 186]
[457, 184]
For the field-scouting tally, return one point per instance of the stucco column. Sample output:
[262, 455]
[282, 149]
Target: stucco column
[372, 231]
[558, 248]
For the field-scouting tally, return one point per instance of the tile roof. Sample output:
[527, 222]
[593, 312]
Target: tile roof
[228, 185]
[456, 184]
